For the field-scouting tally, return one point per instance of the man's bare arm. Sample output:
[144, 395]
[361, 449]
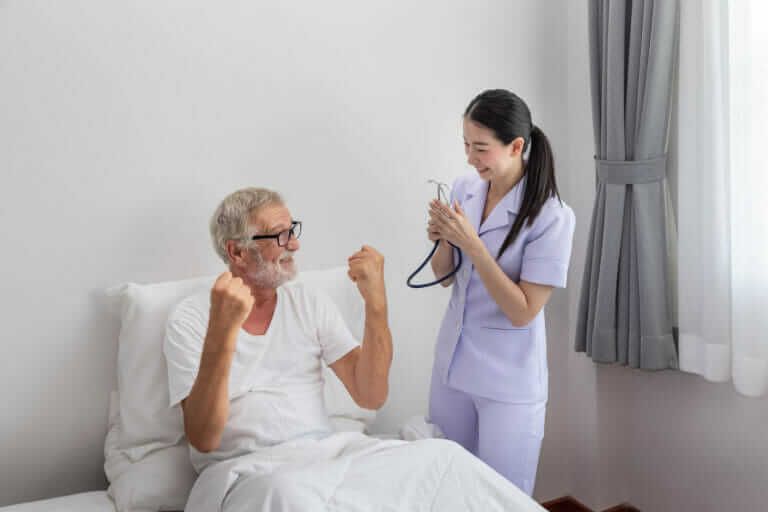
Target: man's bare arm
[365, 371]
[206, 408]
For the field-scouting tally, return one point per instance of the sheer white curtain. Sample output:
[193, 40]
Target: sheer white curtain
[723, 192]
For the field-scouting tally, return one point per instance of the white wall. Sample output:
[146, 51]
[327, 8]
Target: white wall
[664, 441]
[124, 123]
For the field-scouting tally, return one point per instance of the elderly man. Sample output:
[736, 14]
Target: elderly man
[244, 362]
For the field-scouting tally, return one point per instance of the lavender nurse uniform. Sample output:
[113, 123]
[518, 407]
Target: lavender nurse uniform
[489, 380]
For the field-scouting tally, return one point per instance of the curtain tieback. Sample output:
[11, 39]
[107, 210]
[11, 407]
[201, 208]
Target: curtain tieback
[630, 172]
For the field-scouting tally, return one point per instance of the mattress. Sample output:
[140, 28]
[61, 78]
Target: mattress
[95, 501]
[98, 501]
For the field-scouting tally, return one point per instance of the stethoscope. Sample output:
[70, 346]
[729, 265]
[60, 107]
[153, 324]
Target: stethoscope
[443, 194]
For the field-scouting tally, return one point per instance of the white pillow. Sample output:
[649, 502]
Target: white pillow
[146, 421]
[147, 461]
[161, 480]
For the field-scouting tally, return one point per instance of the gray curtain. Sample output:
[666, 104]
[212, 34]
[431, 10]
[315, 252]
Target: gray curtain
[625, 311]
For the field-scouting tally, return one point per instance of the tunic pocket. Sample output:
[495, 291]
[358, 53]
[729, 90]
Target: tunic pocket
[509, 348]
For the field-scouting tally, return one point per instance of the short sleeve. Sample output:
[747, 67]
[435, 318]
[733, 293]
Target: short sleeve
[548, 250]
[334, 336]
[183, 347]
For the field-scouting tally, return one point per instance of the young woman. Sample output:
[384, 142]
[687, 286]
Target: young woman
[489, 380]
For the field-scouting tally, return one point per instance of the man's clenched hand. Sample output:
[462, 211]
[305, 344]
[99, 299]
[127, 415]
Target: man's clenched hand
[231, 303]
[366, 269]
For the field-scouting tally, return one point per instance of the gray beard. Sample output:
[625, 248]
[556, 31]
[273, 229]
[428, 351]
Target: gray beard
[272, 275]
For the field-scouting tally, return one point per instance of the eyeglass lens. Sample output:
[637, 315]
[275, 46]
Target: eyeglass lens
[285, 236]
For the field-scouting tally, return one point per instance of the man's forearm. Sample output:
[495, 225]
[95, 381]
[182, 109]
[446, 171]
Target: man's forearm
[372, 371]
[206, 409]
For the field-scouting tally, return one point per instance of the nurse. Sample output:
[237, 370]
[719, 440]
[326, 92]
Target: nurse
[489, 380]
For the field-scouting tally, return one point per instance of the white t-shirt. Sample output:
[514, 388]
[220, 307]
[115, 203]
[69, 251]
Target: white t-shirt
[275, 381]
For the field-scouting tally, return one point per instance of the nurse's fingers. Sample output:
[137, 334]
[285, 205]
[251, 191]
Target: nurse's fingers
[433, 228]
[434, 225]
[436, 204]
[442, 221]
[439, 205]
[439, 215]
[440, 209]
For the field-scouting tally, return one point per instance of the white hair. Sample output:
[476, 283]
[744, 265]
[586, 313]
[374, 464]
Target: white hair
[232, 218]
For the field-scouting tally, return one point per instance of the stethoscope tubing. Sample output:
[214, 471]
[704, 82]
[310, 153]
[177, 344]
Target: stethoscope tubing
[429, 257]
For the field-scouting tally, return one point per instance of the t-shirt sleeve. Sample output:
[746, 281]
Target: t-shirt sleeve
[183, 347]
[547, 254]
[335, 338]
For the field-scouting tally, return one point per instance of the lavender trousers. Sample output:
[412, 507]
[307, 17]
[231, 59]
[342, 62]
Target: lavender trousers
[506, 436]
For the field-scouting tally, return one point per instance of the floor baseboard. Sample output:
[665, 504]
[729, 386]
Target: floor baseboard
[571, 504]
[566, 504]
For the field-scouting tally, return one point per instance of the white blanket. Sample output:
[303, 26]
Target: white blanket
[353, 472]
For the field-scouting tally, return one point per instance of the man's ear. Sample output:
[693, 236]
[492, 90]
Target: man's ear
[236, 253]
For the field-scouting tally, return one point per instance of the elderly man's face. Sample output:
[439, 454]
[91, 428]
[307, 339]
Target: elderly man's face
[272, 265]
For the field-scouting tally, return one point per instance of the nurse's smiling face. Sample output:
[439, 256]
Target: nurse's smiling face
[487, 154]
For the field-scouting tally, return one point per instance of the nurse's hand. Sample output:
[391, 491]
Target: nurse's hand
[366, 269]
[433, 232]
[452, 225]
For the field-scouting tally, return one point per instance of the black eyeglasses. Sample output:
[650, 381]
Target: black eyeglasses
[284, 236]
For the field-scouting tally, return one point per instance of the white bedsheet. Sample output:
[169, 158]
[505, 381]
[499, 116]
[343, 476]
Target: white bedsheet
[353, 472]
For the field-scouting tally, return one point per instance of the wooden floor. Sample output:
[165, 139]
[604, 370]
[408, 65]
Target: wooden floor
[569, 504]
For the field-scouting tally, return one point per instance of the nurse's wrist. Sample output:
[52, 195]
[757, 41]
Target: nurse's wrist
[475, 248]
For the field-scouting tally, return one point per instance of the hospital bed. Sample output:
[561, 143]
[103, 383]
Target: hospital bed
[146, 457]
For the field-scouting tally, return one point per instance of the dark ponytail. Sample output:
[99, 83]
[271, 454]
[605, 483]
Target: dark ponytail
[504, 113]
